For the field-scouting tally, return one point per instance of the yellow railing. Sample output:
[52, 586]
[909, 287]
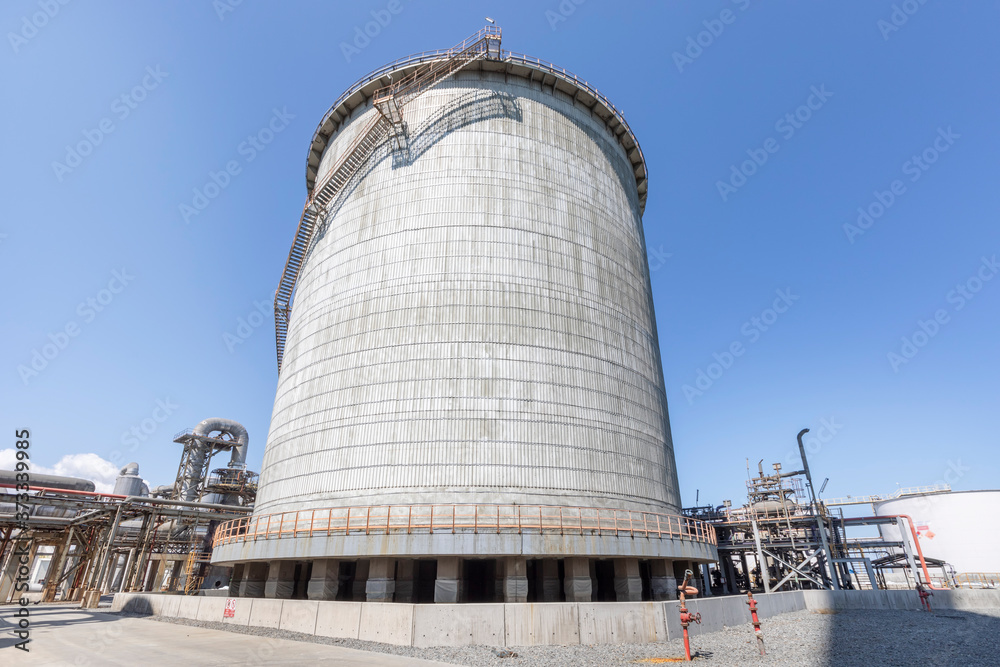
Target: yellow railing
[481, 519]
[978, 580]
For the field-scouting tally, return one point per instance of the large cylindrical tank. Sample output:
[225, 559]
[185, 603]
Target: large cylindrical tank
[474, 320]
[129, 483]
[952, 527]
[472, 342]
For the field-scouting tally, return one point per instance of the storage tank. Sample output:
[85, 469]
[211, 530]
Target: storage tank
[951, 528]
[129, 483]
[473, 326]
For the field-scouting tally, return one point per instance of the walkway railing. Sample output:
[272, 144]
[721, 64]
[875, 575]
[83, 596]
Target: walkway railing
[478, 519]
[978, 580]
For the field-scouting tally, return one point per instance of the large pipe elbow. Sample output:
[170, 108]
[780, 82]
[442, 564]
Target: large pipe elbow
[234, 429]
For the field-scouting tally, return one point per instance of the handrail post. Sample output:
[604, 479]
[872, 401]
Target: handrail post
[453, 509]
[368, 518]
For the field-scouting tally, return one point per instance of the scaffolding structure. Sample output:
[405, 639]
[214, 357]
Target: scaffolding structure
[785, 538]
[103, 542]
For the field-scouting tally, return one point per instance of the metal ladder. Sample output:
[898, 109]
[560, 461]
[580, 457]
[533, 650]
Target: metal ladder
[389, 101]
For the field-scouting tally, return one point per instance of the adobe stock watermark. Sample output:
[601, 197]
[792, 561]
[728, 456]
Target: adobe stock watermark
[915, 167]
[562, 12]
[900, 15]
[122, 107]
[753, 329]
[142, 431]
[814, 442]
[30, 25]
[248, 149]
[657, 257]
[262, 312]
[696, 45]
[223, 7]
[787, 126]
[926, 330]
[87, 311]
[381, 18]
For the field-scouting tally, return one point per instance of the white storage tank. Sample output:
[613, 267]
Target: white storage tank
[952, 527]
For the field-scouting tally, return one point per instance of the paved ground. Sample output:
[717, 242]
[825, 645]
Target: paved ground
[801, 639]
[66, 635]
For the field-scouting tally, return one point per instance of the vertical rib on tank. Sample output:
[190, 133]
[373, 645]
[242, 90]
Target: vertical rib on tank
[474, 322]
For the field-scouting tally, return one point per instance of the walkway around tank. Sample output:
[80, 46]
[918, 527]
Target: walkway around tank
[66, 635]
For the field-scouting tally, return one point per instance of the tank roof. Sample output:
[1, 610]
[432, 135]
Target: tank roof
[512, 64]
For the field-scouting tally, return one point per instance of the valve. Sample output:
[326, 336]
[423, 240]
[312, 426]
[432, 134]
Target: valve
[925, 595]
[756, 621]
[687, 617]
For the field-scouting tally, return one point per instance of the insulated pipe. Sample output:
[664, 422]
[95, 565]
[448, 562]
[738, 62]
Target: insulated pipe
[9, 478]
[186, 503]
[200, 450]
[830, 566]
[916, 541]
[235, 429]
[44, 489]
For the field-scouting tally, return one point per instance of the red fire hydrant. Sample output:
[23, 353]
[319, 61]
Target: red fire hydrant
[687, 617]
[924, 597]
[756, 622]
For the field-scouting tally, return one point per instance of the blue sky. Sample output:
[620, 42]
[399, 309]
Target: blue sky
[98, 260]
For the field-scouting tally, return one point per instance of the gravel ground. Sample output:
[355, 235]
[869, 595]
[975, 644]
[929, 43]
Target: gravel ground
[801, 639]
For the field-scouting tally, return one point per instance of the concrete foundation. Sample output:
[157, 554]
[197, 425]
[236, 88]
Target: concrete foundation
[237, 578]
[515, 579]
[280, 580]
[527, 624]
[324, 583]
[577, 584]
[254, 578]
[448, 584]
[381, 584]
[628, 583]
[662, 582]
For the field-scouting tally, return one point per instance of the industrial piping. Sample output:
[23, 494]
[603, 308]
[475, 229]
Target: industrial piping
[8, 478]
[192, 474]
[916, 542]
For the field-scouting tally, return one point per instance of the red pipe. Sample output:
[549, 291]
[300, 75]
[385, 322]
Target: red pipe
[916, 541]
[756, 622]
[687, 617]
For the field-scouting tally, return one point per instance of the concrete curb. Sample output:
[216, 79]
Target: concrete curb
[527, 624]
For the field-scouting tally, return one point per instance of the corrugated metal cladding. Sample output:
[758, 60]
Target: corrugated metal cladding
[474, 322]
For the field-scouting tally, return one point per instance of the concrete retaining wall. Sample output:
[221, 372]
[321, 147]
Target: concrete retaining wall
[529, 623]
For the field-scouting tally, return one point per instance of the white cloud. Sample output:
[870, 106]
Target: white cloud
[88, 466]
